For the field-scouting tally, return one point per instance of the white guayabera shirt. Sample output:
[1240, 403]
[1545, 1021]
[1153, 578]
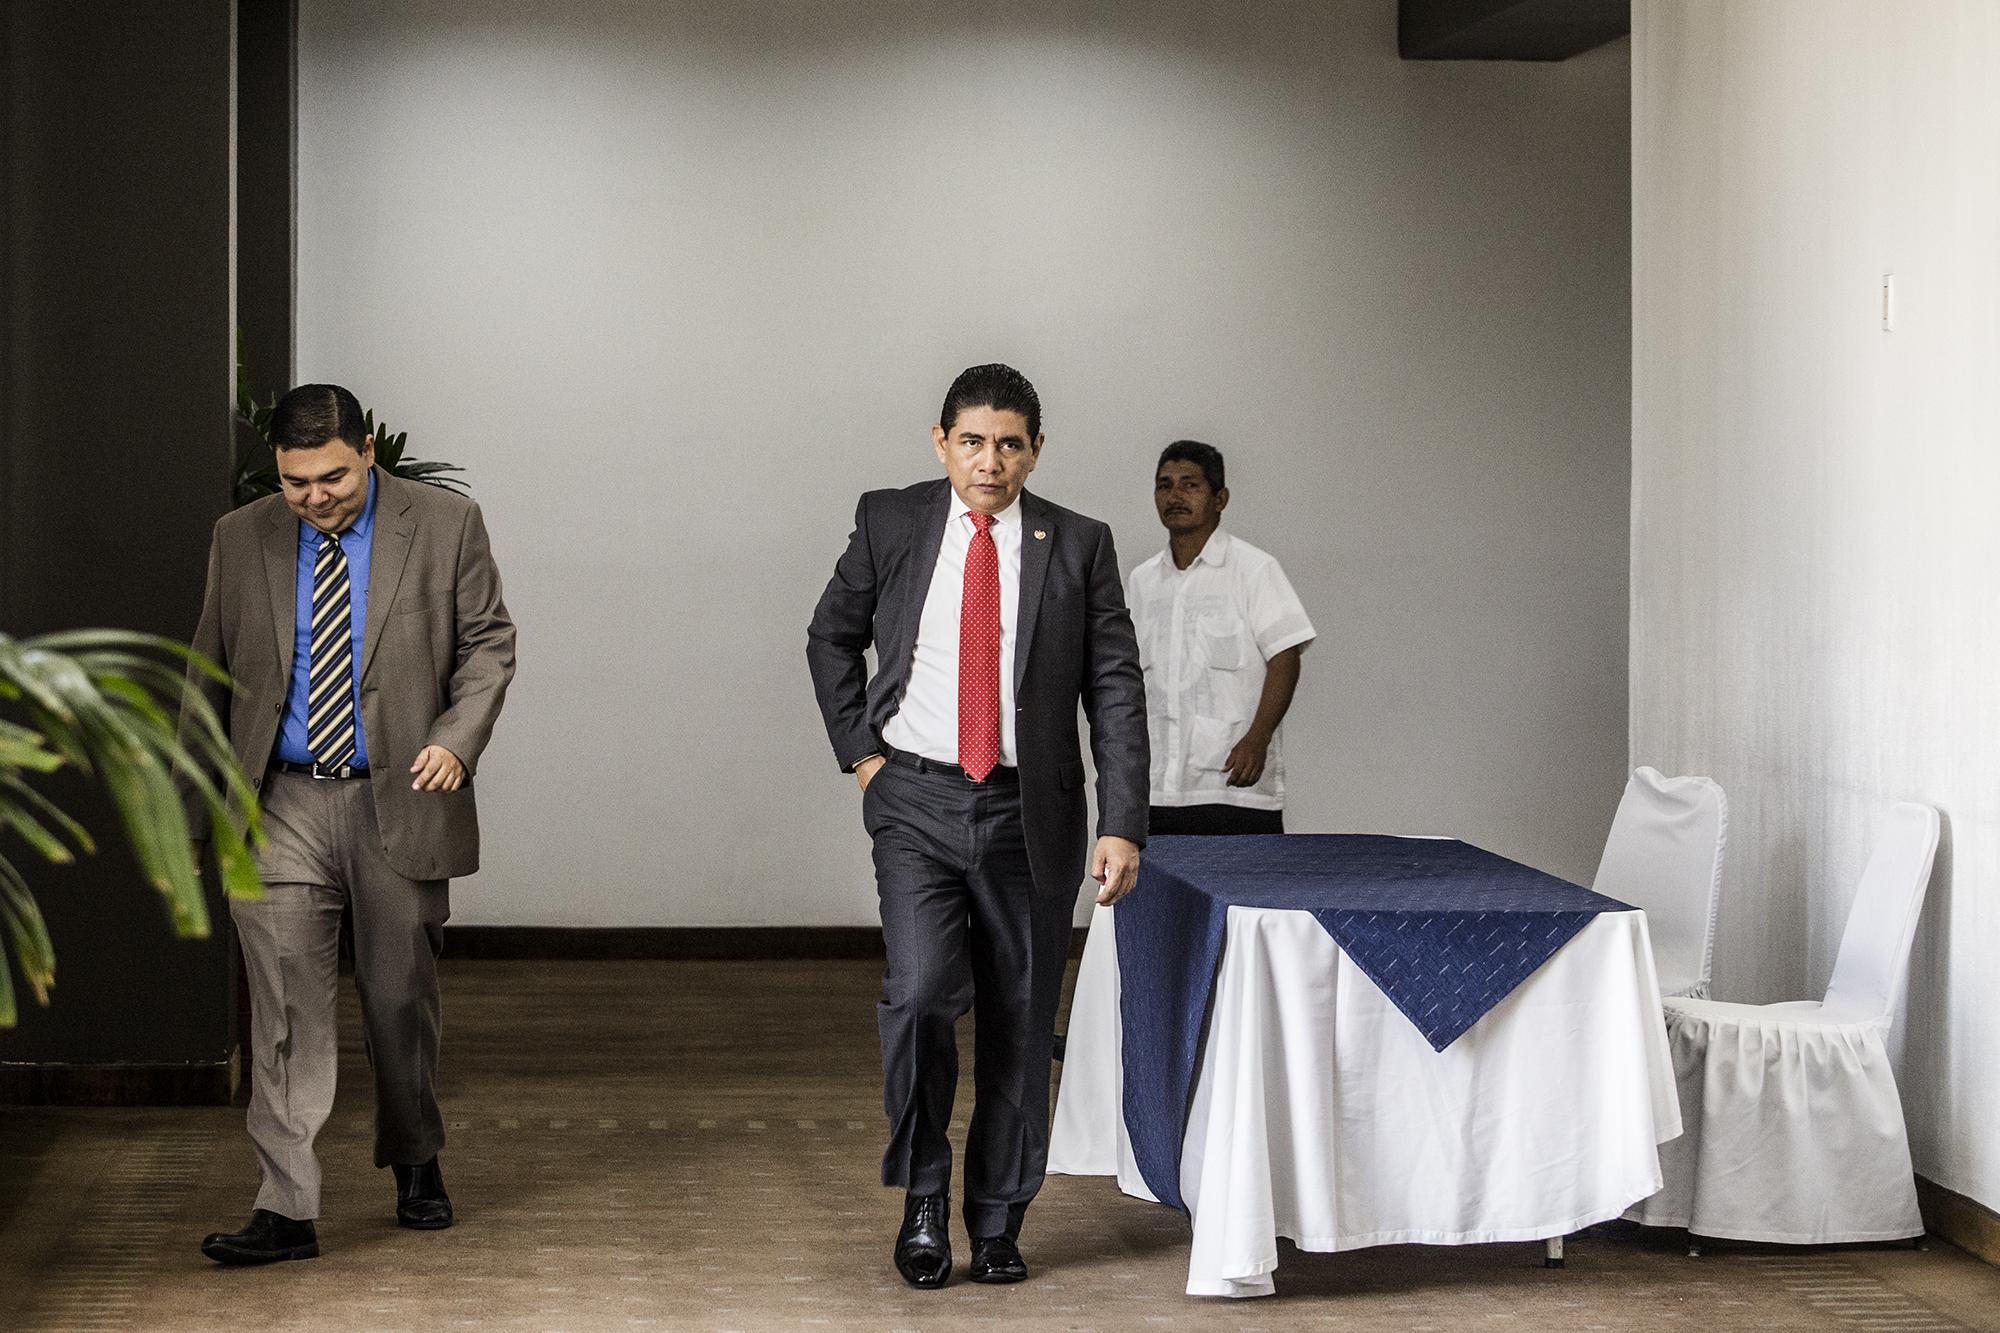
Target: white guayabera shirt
[1205, 634]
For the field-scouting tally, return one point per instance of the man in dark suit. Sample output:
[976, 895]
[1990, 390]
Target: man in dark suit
[360, 618]
[993, 614]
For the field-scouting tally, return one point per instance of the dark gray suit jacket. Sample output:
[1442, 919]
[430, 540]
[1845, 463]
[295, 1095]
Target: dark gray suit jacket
[1073, 643]
[436, 658]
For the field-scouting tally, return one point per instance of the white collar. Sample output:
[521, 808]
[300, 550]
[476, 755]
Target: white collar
[1214, 551]
[1011, 515]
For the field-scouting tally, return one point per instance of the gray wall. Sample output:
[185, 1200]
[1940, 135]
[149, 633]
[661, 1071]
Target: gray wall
[117, 291]
[1814, 546]
[676, 282]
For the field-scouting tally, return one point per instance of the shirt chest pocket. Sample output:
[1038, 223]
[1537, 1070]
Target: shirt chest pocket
[1220, 638]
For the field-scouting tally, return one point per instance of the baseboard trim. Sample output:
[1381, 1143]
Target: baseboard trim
[202, 1084]
[671, 943]
[1966, 1223]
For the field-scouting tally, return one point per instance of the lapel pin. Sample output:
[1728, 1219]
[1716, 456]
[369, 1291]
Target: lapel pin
[1039, 534]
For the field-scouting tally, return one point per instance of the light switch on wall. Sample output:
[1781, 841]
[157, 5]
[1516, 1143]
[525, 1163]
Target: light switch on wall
[1888, 302]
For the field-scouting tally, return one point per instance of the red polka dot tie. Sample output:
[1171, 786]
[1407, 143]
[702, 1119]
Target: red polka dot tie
[979, 654]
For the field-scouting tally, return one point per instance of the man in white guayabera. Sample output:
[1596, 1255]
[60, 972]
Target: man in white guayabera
[1220, 637]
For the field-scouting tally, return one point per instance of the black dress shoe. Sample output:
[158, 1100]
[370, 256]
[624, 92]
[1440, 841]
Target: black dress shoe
[421, 1202]
[923, 1246]
[997, 1259]
[267, 1239]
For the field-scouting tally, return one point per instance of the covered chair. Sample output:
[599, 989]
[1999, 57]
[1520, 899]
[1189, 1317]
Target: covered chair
[1664, 856]
[1793, 1129]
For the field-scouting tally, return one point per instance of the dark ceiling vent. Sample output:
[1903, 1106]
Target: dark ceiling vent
[1507, 29]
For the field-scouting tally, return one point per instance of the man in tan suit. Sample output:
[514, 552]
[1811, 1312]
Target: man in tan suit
[360, 618]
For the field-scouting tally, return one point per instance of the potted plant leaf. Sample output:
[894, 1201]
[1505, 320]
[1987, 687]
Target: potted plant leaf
[117, 707]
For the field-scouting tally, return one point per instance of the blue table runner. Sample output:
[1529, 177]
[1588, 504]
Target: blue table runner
[1446, 929]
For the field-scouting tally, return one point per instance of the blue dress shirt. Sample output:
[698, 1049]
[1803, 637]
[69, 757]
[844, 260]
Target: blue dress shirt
[355, 541]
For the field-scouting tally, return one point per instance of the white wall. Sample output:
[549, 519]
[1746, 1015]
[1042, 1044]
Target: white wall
[676, 282]
[1814, 545]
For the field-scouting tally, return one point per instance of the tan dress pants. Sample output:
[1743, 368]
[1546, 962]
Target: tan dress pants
[325, 855]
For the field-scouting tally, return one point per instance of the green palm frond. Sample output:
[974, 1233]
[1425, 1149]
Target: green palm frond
[254, 481]
[391, 458]
[116, 707]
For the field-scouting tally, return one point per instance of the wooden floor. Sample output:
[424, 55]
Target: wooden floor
[695, 1145]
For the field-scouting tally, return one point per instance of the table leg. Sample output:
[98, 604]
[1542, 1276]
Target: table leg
[1553, 1258]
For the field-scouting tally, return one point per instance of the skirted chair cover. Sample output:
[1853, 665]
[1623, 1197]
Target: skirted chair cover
[1664, 856]
[1792, 1127]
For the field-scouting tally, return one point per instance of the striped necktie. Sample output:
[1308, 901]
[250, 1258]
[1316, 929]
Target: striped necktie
[330, 694]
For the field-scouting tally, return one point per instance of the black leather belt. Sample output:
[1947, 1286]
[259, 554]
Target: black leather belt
[318, 770]
[904, 759]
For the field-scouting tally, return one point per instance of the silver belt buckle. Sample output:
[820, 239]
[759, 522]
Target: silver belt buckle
[321, 773]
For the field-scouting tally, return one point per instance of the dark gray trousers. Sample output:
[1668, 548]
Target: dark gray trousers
[963, 924]
[1212, 820]
[325, 854]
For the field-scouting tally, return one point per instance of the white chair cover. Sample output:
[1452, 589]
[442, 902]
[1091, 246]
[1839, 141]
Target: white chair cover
[1792, 1127]
[1664, 856]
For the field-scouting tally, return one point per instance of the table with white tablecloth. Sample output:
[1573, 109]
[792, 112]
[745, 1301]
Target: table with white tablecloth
[1320, 1113]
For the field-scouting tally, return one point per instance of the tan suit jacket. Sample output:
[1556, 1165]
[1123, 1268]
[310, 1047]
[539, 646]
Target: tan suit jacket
[437, 655]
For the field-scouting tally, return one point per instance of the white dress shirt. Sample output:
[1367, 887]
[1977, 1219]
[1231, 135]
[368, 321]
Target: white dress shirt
[1205, 634]
[926, 719]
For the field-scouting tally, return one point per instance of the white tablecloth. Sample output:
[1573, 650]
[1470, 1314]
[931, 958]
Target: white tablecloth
[1321, 1114]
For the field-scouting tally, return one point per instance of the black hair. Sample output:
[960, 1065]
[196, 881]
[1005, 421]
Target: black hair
[1002, 388]
[1204, 456]
[312, 414]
